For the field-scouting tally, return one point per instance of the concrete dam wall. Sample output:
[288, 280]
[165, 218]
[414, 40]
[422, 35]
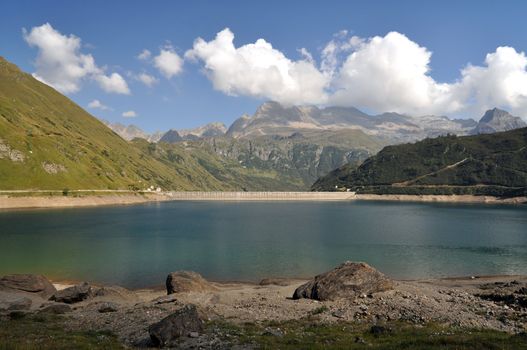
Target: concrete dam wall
[262, 196]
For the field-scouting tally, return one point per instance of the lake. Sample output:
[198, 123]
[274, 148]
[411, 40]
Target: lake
[137, 246]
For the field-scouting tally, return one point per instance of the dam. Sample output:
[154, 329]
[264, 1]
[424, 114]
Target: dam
[261, 196]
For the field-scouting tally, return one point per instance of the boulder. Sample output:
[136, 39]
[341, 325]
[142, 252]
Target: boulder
[187, 281]
[183, 322]
[37, 284]
[73, 294]
[14, 302]
[55, 308]
[348, 280]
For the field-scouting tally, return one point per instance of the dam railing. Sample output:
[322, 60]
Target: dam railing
[263, 196]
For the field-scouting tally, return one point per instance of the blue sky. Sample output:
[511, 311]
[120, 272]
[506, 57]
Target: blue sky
[113, 33]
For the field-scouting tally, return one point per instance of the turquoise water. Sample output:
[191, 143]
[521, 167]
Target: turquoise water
[136, 246]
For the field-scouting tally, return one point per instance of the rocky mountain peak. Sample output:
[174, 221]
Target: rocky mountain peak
[171, 136]
[496, 120]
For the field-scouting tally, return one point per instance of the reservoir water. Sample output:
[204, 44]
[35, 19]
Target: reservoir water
[136, 246]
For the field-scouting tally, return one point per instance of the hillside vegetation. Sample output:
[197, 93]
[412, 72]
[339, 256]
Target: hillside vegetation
[49, 142]
[298, 159]
[493, 164]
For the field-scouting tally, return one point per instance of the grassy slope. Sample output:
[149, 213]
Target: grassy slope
[485, 162]
[47, 127]
[220, 173]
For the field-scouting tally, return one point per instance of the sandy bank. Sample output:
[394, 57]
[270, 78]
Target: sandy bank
[441, 198]
[58, 201]
[8, 202]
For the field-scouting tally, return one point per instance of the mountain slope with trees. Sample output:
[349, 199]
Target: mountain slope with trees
[491, 164]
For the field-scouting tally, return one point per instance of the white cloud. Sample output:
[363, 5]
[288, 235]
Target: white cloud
[502, 82]
[382, 73]
[388, 73]
[144, 55]
[147, 79]
[96, 104]
[258, 70]
[62, 65]
[168, 62]
[113, 83]
[129, 114]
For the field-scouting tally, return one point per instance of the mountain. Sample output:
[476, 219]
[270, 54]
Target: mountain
[496, 120]
[304, 156]
[49, 142]
[171, 136]
[208, 130]
[271, 118]
[130, 132]
[489, 164]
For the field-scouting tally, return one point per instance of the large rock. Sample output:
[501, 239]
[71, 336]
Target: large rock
[187, 281]
[349, 280]
[14, 302]
[183, 322]
[55, 308]
[73, 294]
[36, 284]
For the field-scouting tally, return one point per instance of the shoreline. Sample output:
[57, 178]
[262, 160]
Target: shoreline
[49, 202]
[277, 281]
[454, 198]
[90, 200]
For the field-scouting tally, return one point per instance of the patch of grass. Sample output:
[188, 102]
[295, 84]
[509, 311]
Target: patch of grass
[48, 332]
[306, 334]
[319, 310]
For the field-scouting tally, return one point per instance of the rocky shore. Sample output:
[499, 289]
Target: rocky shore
[192, 312]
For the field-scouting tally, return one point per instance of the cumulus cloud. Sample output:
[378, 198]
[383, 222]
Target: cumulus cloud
[147, 79]
[113, 83]
[259, 70]
[129, 114]
[96, 104]
[168, 62]
[389, 73]
[144, 55]
[61, 64]
[381, 73]
[501, 82]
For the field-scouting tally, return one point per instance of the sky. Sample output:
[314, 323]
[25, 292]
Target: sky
[181, 64]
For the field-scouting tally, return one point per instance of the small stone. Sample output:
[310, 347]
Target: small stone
[193, 334]
[273, 332]
[108, 307]
[338, 313]
[165, 299]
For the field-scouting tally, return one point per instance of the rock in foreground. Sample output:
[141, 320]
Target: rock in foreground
[37, 284]
[183, 322]
[187, 281]
[73, 294]
[349, 280]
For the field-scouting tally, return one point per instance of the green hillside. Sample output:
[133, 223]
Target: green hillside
[494, 164]
[213, 172]
[48, 142]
